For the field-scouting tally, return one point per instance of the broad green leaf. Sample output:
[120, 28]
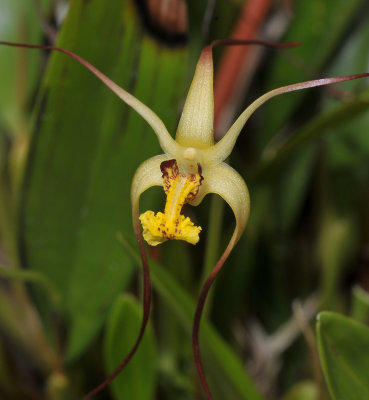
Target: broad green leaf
[343, 348]
[138, 379]
[224, 368]
[85, 148]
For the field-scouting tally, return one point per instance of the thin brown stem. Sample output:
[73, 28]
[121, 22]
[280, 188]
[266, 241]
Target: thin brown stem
[198, 313]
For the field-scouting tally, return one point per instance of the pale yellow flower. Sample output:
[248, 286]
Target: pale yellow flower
[191, 166]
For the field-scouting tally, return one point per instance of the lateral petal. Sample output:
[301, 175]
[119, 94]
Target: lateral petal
[147, 175]
[227, 183]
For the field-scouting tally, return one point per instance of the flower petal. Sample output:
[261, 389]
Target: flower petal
[167, 143]
[223, 148]
[195, 127]
[147, 175]
[227, 183]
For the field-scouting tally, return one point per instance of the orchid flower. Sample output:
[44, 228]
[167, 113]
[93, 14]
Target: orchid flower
[191, 167]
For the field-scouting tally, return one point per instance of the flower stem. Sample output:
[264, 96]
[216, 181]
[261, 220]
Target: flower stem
[199, 311]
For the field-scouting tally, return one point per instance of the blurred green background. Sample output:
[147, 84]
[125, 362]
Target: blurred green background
[70, 279]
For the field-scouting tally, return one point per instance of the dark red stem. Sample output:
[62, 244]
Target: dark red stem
[145, 318]
[198, 313]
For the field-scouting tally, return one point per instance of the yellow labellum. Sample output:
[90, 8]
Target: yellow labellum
[180, 189]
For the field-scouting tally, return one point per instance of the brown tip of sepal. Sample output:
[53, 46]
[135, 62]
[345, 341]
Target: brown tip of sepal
[206, 57]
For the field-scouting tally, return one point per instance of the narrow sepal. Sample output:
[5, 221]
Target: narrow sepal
[167, 143]
[147, 175]
[224, 147]
[228, 184]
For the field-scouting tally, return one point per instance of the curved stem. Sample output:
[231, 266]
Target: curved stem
[145, 317]
[199, 310]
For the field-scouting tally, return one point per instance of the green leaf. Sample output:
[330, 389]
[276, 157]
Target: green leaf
[139, 377]
[343, 348]
[85, 148]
